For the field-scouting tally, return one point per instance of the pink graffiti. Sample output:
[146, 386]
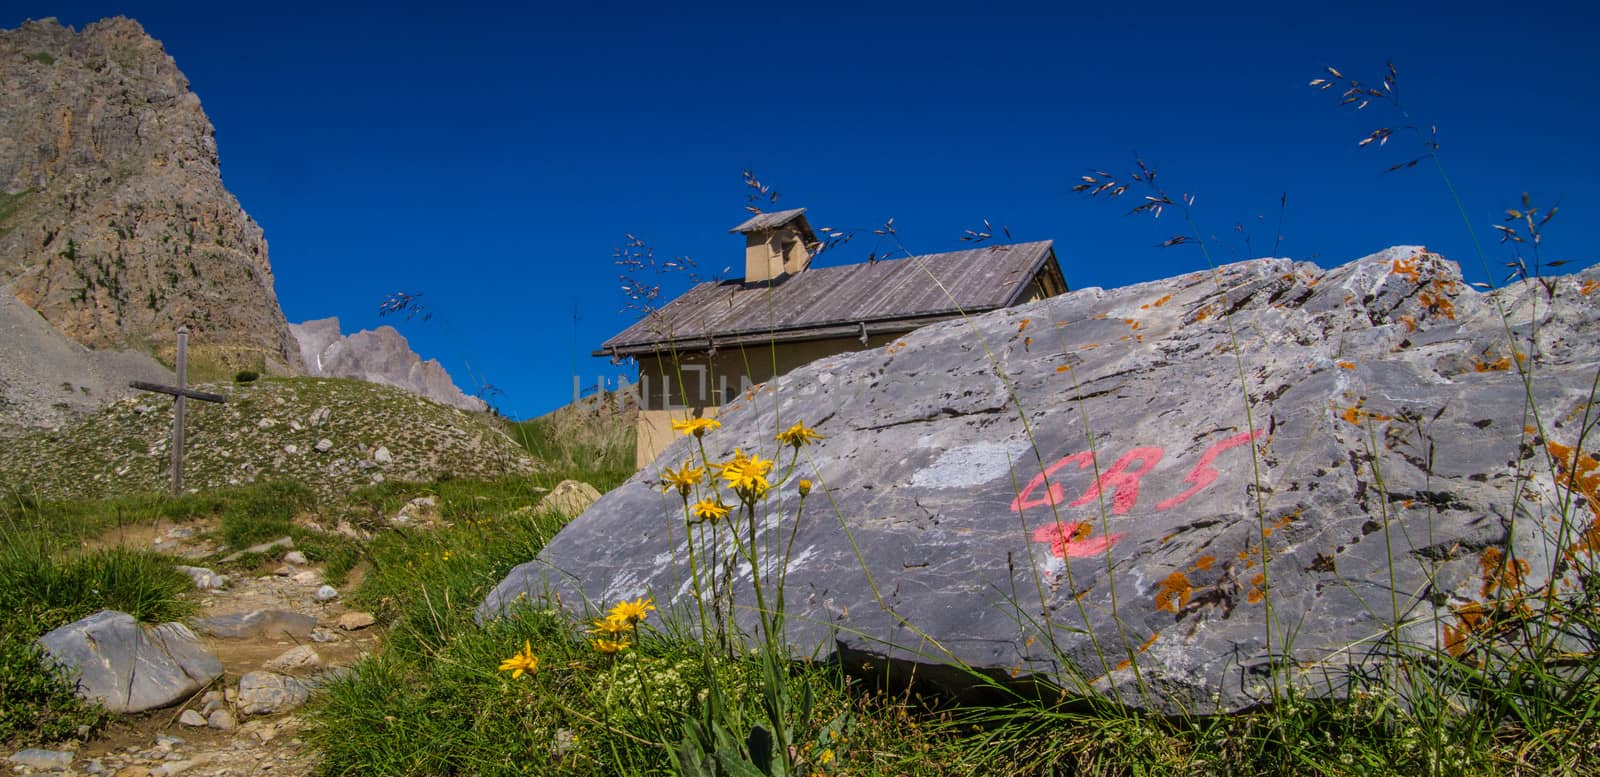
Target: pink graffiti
[1123, 481]
[1053, 495]
[1203, 473]
[1071, 539]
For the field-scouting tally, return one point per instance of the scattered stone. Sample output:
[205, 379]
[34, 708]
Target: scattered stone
[168, 741]
[569, 497]
[324, 445]
[349, 530]
[320, 416]
[295, 557]
[283, 571]
[192, 718]
[127, 667]
[222, 720]
[959, 459]
[355, 621]
[281, 542]
[35, 758]
[321, 635]
[291, 449]
[377, 477]
[307, 577]
[204, 579]
[258, 624]
[132, 771]
[299, 659]
[265, 693]
[326, 593]
[382, 455]
[180, 533]
[266, 423]
[171, 768]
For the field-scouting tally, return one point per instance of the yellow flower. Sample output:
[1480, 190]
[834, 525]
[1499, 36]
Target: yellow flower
[611, 645]
[708, 510]
[826, 757]
[523, 661]
[632, 612]
[684, 480]
[608, 625]
[747, 474]
[797, 435]
[805, 487]
[696, 426]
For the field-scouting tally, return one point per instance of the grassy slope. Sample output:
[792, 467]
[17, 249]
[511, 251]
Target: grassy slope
[123, 449]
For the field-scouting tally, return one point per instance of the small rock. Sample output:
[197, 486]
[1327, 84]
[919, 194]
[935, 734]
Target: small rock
[180, 533]
[291, 449]
[204, 579]
[222, 720]
[308, 577]
[168, 741]
[324, 445]
[355, 621]
[377, 477]
[570, 497]
[266, 423]
[265, 624]
[326, 593]
[94, 766]
[283, 571]
[264, 693]
[382, 455]
[132, 771]
[171, 768]
[192, 718]
[295, 425]
[323, 635]
[295, 557]
[301, 658]
[34, 758]
[320, 416]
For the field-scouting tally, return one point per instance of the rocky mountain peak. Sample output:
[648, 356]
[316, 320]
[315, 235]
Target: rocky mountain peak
[114, 223]
[379, 355]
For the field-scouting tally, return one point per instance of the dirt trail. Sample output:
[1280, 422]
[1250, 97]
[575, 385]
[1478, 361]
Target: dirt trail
[156, 743]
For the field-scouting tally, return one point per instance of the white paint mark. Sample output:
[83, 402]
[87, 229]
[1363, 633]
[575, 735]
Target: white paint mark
[971, 465]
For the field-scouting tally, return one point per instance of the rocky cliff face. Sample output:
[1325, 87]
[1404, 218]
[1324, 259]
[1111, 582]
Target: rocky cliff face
[381, 356]
[114, 224]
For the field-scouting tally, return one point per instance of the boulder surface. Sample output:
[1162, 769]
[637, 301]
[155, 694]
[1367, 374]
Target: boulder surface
[127, 667]
[1177, 494]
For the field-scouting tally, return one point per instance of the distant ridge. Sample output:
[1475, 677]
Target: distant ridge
[381, 356]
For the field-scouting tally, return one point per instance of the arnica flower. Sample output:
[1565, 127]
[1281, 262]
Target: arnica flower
[611, 645]
[747, 474]
[684, 480]
[708, 510]
[523, 661]
[805, 487]
[797, 435]
[696, 426]
[632, 612]
[609, 625]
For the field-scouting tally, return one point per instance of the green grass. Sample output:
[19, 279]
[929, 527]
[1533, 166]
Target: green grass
[9, 205]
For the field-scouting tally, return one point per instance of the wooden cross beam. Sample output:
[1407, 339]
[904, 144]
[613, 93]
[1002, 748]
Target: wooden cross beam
[178, 393]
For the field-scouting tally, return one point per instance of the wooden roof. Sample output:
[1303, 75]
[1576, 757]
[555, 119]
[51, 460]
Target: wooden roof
[889, 296]
[772, 220]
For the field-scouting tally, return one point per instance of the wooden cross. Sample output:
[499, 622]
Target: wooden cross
[178, 393]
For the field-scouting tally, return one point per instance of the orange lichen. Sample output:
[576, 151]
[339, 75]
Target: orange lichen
[894, 347]
[1438, 304]
[1123, 664]
[1158, 303]
[1410, 322]
[1500, 573]
[1173, 594]
[1589, 287]
[1498, 365]
[1204, 313]
[1204, 562]
[1259, 580]
[1473, 617]
[1255, 596]
[1024, 324]
[1408, 268]
[1347, 365]
[1149, 642]
[1579, 473]
[1355, 415]
[1027, 342]
[1064, 368]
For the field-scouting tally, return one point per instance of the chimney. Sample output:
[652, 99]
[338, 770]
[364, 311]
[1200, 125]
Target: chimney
[776, 244]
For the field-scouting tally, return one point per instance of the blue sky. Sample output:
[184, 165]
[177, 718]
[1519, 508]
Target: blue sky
[491, 159]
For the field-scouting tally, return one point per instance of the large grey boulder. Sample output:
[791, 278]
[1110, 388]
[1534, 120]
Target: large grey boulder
[1178, 494]
[127, 667]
